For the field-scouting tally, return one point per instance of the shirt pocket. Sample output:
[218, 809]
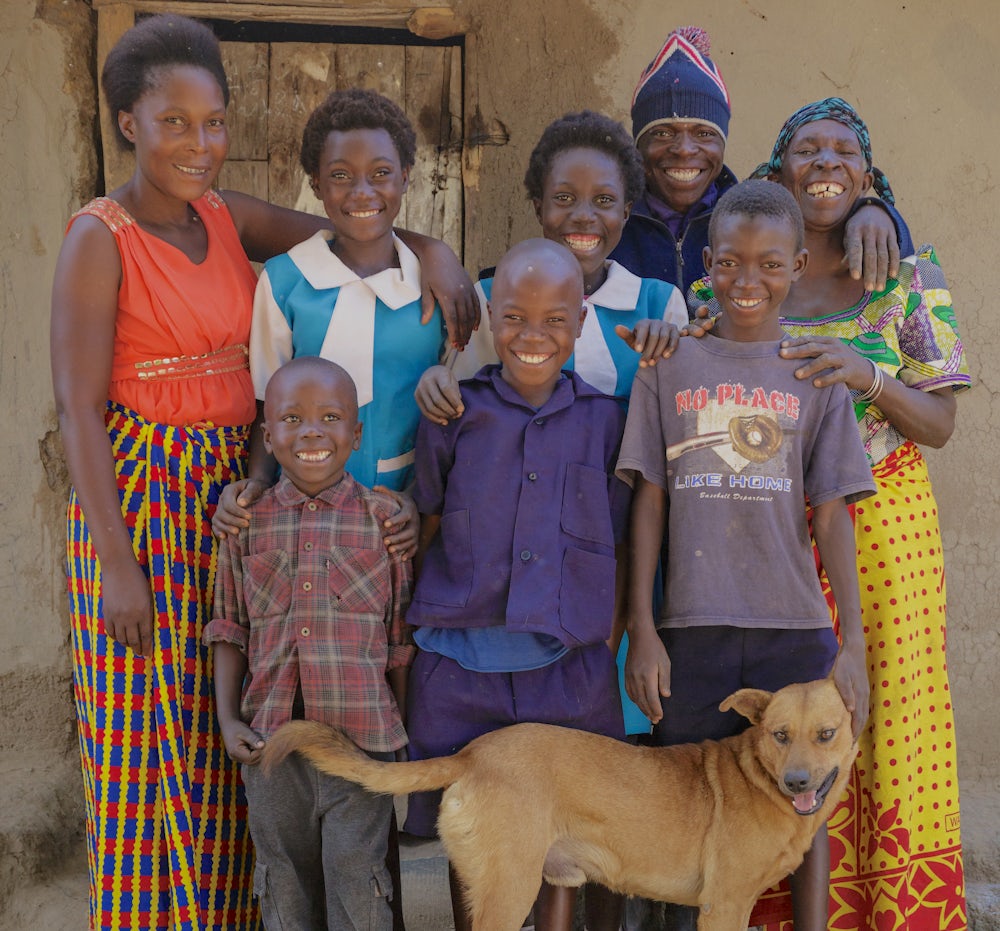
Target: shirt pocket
[360, 583]
[448, 567]
[587, 595]
[267, 584]
[586, 508]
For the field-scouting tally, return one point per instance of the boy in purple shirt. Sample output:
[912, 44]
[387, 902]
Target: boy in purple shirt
[520, 517]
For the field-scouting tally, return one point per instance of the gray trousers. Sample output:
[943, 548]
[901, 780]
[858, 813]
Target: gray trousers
[320, 844]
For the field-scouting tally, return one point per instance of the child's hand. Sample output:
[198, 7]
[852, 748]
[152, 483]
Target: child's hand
[403, 526]
[438, 395]
[653, 339]
[647, 671]
[701, 324]
[232, 515]
[852, 682]
[243, 744]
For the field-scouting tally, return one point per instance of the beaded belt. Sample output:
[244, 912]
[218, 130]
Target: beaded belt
[230, 359]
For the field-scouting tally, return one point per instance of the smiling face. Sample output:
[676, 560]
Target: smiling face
[179, 131]
[753, 262]
[311, 423]
[825, 170]
[536, 314]
[681, 161]
[361, 183]
[583, 207]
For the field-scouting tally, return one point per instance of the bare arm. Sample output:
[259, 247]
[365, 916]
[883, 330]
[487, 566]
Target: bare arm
[445, 282]
[834, 535]
[647, 667]
[243, 744]
[926, 417]
[84, 309]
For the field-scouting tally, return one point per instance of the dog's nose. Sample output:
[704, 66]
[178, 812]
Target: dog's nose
[796, 781]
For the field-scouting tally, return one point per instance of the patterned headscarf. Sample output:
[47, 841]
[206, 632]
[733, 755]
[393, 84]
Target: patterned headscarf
[833, 108]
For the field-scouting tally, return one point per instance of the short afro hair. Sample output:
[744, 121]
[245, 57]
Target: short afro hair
[758, 199]
[586, 130]
[135, 64]
[356, 108]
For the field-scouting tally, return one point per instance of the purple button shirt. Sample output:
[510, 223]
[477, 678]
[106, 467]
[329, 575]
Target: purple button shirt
[530, 511]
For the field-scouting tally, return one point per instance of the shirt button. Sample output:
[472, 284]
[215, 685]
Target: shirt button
[532, 476]
[311, 505]
[540, 421]
[307, 586]
[307, 547]
[305, 631]
[525, 555]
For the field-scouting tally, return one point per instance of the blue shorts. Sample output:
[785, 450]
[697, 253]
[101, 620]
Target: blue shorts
[708, 664]
[449, 706]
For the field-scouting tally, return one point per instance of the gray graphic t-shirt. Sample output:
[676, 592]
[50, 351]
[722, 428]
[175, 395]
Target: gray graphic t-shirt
[740, 445]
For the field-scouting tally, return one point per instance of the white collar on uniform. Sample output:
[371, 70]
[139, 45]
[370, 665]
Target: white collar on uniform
[350, 336]
[592, 357]
[620, 290]
[394, 287]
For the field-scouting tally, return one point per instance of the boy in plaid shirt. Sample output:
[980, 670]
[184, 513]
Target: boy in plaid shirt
[308, 623]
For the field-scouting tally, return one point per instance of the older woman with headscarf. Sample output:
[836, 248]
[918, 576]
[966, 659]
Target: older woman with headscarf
[896, 860]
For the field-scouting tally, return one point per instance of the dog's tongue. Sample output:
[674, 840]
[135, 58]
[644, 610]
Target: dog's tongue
[805, 801]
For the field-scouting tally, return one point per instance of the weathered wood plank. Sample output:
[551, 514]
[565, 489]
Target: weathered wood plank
[113, 21]
[246, 66]
[245, 176]
[387, 16]
[433, 102]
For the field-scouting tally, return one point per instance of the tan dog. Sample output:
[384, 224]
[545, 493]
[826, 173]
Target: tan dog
[711, 824]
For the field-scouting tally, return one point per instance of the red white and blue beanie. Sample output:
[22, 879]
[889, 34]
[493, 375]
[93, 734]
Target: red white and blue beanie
[681, 84]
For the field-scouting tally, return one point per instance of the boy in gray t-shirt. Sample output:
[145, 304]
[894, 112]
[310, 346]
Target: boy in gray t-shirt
[723, 447]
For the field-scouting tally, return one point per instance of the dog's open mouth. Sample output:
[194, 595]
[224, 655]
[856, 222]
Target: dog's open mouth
[808, 803]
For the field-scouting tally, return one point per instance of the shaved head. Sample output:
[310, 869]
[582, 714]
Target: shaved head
[539, 260]
[301, 368]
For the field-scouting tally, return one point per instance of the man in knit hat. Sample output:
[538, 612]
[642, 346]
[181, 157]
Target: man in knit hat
[680, 120]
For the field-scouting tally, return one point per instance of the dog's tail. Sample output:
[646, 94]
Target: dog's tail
[333, 752]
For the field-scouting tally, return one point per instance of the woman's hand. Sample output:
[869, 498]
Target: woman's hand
[438, 395]
[232, 513]
[403, 526]
[444, 281]
[128, 606]
[653, 339]
[832, 361]
[871, 247]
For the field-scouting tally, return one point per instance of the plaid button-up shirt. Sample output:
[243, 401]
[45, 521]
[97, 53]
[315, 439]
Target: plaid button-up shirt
[310, 594]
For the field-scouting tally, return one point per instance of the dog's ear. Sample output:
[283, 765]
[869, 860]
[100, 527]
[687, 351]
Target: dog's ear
[751, 703]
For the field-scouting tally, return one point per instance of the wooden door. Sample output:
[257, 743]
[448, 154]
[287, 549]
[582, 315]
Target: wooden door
[275, 86]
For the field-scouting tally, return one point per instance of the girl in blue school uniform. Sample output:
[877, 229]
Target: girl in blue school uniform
[582, 178]
[350, 295]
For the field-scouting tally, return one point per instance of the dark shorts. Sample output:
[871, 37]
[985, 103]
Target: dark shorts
[708, 664]
[448, 706]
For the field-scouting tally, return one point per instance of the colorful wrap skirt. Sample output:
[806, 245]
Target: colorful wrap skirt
[895, 854]
[168, 846]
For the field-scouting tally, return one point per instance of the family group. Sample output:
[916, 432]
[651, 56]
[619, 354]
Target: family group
[667, 450]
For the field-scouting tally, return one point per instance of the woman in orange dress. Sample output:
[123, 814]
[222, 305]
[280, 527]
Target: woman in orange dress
[151, 314]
